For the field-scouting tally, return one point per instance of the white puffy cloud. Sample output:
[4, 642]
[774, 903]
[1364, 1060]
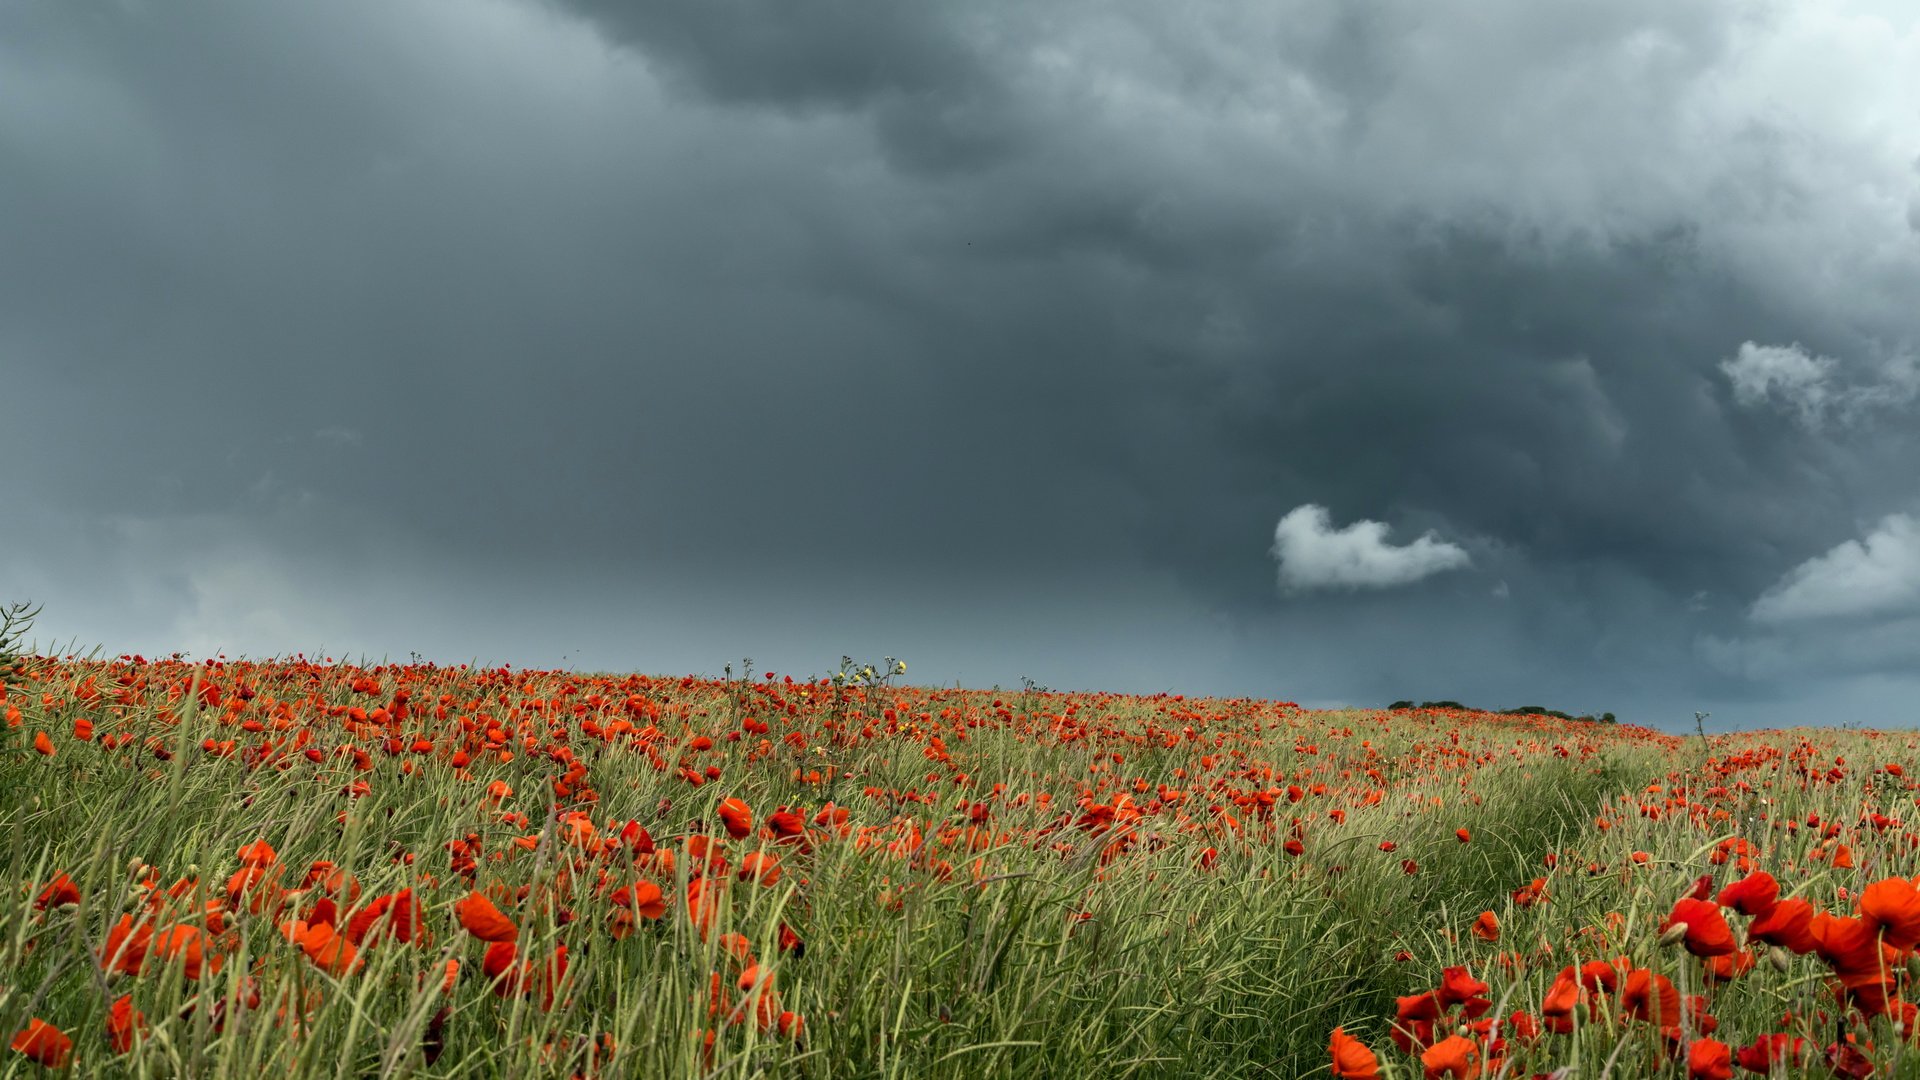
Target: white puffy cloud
[1314, 555]
[1859, 577]
[1787, 374]
[1795, 379]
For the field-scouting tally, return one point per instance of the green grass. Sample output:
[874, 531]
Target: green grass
[1240, 970]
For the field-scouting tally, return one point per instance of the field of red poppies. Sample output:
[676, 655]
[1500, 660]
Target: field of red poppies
[309, 869]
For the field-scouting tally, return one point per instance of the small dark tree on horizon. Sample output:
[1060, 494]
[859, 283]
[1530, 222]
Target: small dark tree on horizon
[1522, 710]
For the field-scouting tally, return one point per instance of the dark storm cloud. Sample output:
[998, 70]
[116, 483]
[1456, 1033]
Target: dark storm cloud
[843, 54]
[997, 336]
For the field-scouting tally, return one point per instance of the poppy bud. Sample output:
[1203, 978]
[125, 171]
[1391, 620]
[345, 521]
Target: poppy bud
[1675, 935]
[1781, 959]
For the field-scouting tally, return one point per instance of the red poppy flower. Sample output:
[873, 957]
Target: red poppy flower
[1853, 949]
[1752, 895]
[1730, 966]
[1531, 893]
[498, 964]
[1455, 1057]
[1596, 975]
[43, 1043]
[790, 942]
[1846, 1060]
[737, 817]
[483, 920]
[58, 893]
[1788, 925]
[1705, 932]
[329, 950]
[1413, 1020]
[1650, 997]
[1767, 1051]
[124, 1022]
[1413, 1036]
[1456, 986]
[1487, 927]
[397, 915]
[1562, 997]
[1709, 1059]
[642, 896]
[1352, 1060]
[1893, 906]
[763, 867]
[126, 947]
[188, 945]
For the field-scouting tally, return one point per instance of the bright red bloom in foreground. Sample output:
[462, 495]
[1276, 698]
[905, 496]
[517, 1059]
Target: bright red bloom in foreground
[1893, 905]
[1852, 948]
[786, 824]
[1756, 894]
[1352, 1060]
[44, 1043]
[1650, 997]
[483, 920]
[188, 945]
[329, 950]
[1709, 1059]
[397, 914]
[761, 867]
[1455, 1057]
[737, 817]
[1788, 925]
[126, 947]
[1562, 998]
[1456, 986]
[1707, 932]
[642, 896]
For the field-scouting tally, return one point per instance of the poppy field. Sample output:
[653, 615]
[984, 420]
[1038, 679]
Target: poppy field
[303, 868]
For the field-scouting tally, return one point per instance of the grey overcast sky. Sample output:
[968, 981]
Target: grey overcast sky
[1513, 351]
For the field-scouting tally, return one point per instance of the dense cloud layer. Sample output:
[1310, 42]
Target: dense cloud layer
[995, 336]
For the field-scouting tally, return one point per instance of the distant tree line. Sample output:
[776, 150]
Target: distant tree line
[1523, 710]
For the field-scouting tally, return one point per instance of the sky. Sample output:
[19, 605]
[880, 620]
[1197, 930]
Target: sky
[1338, 351]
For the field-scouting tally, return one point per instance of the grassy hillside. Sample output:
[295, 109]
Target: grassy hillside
[293, 869]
